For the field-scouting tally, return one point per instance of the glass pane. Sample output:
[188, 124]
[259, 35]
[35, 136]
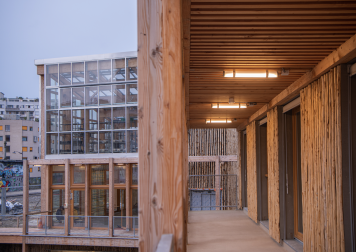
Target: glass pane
[119, 141]
[118, 94]
[119, 118]
[99, 207]
[119, 174]
[52, 143]
[64, 144]
[299, 176]
[132, 117]
[78, 143]
[64, 120]
[119, 207]
[91, 142]
[78, 119]
[91, 119]
[52, 121]
[104, 71]
[91, 72]
[52, 98]
[78, 208]
[134, 202]
[65, 97]
[105, 142]
[100, 174]
[78, 73]
[79, 174]
[58, 207]
[132, 141]
[58, 175]
[105, 118]
[65, 74]
[104, 95]
[52, 75]
[91, 96]
[131, 90]
[78, 97]
[131, 69]
[135, 174]
[118, 69]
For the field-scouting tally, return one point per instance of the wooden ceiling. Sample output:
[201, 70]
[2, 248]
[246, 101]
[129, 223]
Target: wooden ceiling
[219, 35]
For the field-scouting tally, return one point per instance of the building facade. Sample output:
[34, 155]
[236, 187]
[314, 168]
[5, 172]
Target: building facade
[89, 150]
[19, 140]
[19, 108]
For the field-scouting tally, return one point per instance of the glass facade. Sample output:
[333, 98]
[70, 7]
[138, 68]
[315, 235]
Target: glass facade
[91, 107]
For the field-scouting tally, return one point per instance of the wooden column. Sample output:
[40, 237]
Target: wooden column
[217, 182]
[25, 183]
[66, 196]
[111, 197]
[160, 123]
[251, 171]
[87, 195]
[128, 181]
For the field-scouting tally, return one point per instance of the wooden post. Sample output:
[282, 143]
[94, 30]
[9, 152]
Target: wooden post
[128, 181]
[87, 196]
[217, 182]
[161, 208]
[26, 183]
[66, 196]
[111, 198]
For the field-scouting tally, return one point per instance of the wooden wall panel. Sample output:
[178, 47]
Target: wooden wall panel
[161, 140]
[321, 164]
[273, 174]
[251, 171]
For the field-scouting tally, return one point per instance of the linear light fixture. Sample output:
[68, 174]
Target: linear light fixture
[251, 73]
[229, 105]
[218, 121]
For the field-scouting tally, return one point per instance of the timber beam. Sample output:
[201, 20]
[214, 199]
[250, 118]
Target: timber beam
[343, 54]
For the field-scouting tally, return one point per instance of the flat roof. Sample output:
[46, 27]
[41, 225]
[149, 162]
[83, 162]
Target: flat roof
[86, 58]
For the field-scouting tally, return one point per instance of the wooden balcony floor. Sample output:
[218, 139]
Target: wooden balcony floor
[227, 231]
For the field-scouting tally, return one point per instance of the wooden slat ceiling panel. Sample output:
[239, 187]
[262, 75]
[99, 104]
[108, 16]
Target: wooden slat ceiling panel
[258, 34]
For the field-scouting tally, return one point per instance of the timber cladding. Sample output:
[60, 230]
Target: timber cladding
[321, 164]
[215, 142]
[273, 174]
[251, 171]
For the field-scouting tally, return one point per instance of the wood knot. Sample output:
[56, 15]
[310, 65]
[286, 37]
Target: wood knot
[154, 202]
[167, 105]
[156, 51]
[140, 113]
[148, 153]
[160, 145]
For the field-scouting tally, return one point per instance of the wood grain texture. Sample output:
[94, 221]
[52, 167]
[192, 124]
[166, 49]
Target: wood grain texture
[321, 164]
[273, 174]
[251, 171]
[160, 108]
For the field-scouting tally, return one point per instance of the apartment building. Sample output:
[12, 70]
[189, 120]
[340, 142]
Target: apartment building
[19, 140]
[19, 108]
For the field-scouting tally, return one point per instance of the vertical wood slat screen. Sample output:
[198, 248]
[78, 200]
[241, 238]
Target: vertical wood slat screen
[214, 142]
[321, 164]
[251, 171]
[273, 174]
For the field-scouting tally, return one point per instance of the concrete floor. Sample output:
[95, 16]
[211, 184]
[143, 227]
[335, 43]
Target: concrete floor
[227, 231]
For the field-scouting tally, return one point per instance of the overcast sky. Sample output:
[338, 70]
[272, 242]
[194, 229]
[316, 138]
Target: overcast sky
[41, 29]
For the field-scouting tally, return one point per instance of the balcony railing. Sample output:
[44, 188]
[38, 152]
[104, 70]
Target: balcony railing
[78, 226]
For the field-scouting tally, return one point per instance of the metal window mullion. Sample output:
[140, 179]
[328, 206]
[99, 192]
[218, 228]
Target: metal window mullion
[71, 73]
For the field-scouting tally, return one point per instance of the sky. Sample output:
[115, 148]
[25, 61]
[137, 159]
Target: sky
[42, 29]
